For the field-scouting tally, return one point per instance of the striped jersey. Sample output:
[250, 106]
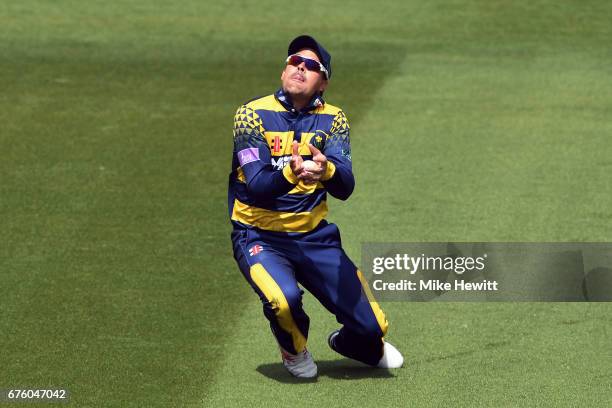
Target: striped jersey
[263, 191]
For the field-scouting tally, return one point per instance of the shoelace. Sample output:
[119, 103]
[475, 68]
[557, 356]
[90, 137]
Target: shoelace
[292, 358]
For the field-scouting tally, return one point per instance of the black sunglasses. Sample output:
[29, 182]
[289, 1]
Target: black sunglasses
[310, 64]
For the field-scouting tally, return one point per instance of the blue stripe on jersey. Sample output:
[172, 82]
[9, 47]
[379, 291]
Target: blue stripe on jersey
[287, 203]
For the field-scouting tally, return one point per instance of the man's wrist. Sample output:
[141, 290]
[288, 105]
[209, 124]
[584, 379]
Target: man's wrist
[329, 171]
[288, 173]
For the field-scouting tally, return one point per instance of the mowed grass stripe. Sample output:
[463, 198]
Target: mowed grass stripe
[117, 153]
[109, 273]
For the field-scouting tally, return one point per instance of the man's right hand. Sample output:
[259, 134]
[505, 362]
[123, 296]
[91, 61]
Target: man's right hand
[296, 160]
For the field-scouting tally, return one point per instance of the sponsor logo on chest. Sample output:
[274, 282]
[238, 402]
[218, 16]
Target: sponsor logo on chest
[280, 162]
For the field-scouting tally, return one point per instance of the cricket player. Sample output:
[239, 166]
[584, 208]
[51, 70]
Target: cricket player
[291, 149]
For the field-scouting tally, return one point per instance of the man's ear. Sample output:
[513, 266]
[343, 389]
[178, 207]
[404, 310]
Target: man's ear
[323, 86]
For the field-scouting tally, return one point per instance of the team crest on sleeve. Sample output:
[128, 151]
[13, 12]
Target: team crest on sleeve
[255, 249]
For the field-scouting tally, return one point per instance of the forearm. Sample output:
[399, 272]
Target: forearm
[264, 183]
[340, 181]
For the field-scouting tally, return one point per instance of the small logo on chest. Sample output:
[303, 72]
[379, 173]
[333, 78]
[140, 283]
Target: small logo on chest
[277, 144]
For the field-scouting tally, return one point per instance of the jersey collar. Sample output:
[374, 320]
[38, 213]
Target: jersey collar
[285, 100]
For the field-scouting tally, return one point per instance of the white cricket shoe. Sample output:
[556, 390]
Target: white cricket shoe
[300, 365]
[391, 358]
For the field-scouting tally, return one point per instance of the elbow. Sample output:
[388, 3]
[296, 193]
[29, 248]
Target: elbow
[257, 191]
[345, 192]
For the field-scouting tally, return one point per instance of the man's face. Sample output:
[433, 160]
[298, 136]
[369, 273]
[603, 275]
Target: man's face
[300, 82]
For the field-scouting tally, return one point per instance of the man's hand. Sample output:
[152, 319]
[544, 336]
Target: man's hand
[312, 176]
[296, 160]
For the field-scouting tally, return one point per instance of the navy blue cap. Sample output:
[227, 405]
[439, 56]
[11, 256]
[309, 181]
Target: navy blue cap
[306, 41]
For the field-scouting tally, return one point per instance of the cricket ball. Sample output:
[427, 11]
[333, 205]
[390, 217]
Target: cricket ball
[309, 165]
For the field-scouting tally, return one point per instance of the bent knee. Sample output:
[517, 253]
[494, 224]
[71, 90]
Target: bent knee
[283, 304]
[276, 299]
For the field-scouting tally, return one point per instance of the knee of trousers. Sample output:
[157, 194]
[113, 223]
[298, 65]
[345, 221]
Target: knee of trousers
[284, 305]
[285, 313]
[278, 302]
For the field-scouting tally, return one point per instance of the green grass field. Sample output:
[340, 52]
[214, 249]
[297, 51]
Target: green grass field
[471, 121]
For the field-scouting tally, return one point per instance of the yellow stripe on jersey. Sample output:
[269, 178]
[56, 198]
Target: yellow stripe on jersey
[277, 299]
[327, 109]
[303, 188]
[267, 103]
[380, 316]
[278, 220]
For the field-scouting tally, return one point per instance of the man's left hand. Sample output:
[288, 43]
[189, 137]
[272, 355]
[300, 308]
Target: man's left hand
[314, 176]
